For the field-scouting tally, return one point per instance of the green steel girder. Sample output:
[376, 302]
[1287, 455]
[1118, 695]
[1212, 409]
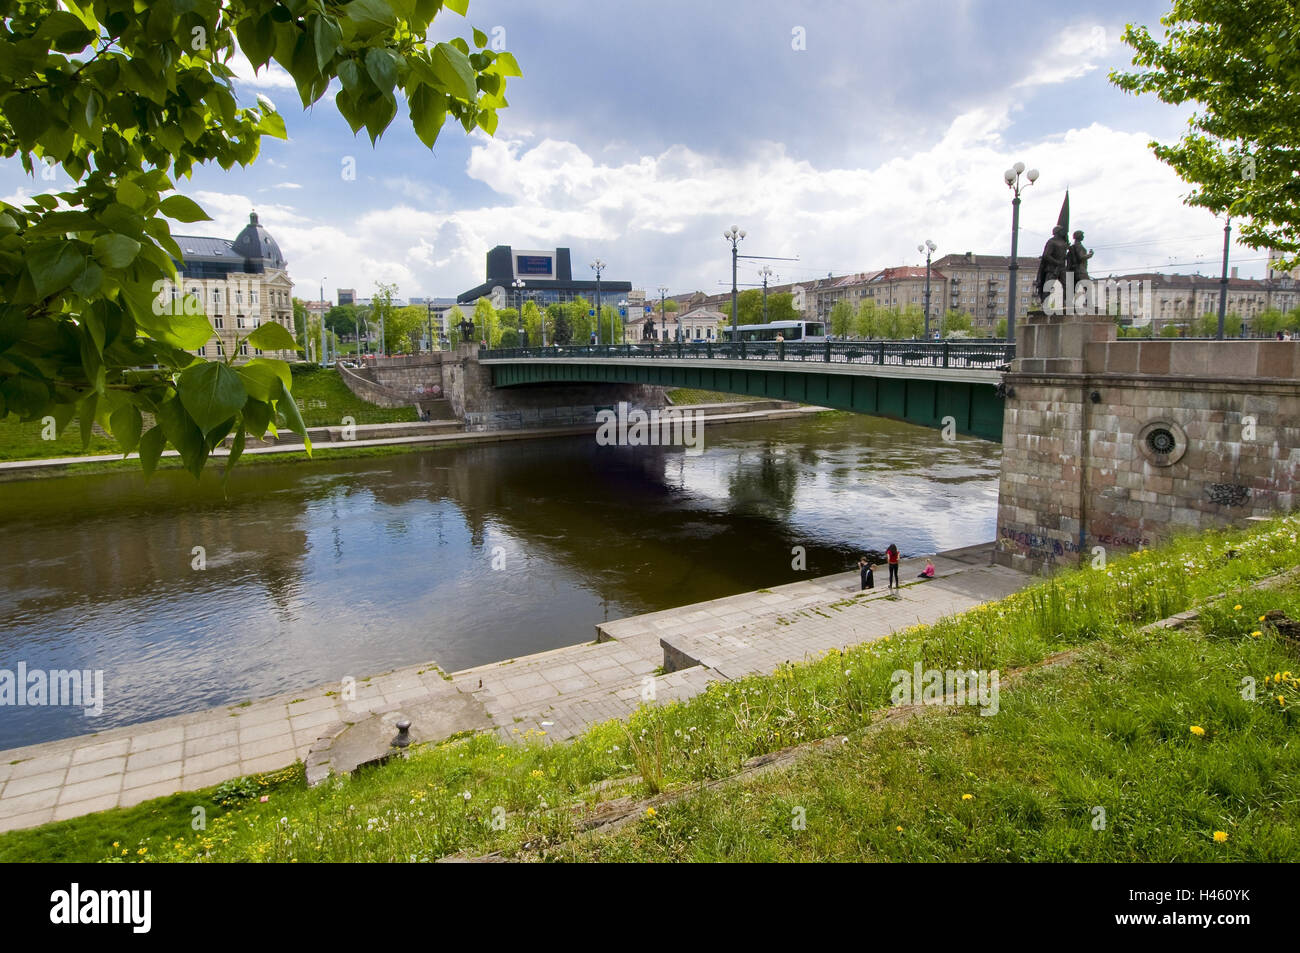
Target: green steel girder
[976, 407]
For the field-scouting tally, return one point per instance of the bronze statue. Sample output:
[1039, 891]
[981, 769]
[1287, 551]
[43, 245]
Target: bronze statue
[1052, 266]
[1077, 259]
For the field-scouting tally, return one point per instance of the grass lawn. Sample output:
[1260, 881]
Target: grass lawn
[685, 396]
[1155, 730]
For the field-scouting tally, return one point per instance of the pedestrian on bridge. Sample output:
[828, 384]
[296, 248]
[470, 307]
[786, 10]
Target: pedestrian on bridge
[891, 554]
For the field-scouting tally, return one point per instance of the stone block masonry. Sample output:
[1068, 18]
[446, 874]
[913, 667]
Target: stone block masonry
[1121, 443]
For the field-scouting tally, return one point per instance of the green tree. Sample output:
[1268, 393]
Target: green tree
[1207, 325]
[1269, 322]
[406, 327]
[671, 306]
[842, 319]
[956, 323]
[125, 97]
[485, 317]
[1238, 63]
[562, 328]
[780, 307]
[381, 311]
[342, 319]
[533, 323]
[866, 323]
[1000, 329]
[299, 319]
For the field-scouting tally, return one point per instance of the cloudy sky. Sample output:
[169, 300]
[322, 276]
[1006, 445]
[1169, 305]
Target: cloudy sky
[640, 131]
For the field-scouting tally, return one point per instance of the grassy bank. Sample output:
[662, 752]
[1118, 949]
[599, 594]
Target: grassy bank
[686, 396]
[1111, 730]
[322, 397]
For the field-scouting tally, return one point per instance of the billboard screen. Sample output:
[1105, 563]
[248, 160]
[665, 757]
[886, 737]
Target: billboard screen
[542, 266]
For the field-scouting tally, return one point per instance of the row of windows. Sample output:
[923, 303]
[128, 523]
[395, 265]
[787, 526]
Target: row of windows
[221, 350]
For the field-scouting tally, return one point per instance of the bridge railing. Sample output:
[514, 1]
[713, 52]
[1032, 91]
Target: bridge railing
[989, 355]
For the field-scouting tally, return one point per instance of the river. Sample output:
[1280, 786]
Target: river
[464, 555]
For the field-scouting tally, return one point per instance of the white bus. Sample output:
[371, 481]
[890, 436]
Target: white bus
[813, 332]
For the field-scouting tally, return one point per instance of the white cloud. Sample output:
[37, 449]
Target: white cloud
[270, 76]
[1074, 54]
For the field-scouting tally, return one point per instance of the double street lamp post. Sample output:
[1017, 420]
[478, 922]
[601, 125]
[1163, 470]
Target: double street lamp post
[597, 265]
[927, 248]
[735, 235]
[663, 321]
[1012, 179]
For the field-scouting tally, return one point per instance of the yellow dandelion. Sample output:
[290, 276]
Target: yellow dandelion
[537, 773]
[649, 812]
[1237, 607]
[899, 829]
[1198, 731]
[1281, 701]
[1256, 634]
[968, 797]
[1220, 836]
[1261, 618]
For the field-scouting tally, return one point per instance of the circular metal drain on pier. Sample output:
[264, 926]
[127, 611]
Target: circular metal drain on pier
[1162, 443]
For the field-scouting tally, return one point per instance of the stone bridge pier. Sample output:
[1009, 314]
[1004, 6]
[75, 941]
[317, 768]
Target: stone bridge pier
[1118, 443]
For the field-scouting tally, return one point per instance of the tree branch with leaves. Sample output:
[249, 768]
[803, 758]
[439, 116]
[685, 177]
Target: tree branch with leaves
[125, 98]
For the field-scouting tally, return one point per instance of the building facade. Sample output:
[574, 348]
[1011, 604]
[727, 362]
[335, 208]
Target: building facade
[241, 284]
[547, 278]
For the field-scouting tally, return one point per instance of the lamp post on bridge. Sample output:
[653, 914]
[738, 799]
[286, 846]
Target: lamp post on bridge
[597, 265]
[927, 248]
[1223, 281]
[1012, 179]
[735, 235]
[766, 272]
[663, 321]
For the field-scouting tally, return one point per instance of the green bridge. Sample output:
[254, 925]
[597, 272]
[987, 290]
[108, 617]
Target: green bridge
[920, 382]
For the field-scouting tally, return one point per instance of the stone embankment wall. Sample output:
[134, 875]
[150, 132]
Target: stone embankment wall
[468, 394]
[1120, 443]
[485, 407]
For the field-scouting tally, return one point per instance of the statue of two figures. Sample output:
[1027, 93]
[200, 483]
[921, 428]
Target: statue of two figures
[1065, 264]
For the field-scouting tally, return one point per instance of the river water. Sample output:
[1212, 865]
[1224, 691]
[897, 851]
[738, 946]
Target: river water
[462, 556]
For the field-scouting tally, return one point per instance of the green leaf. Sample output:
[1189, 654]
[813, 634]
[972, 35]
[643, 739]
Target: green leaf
[116, 251]
[183, 209]
[183, 434]
[428, 113]
[86, 417]
[256, 39]
[151, 447]
[272, 336]
[457, 6]
[54, 265]
[326, 34]
[28, 116]
[181, 330]
[126, 424]
[293, 418]
[507, 65]
[131, 195]
[211, 393]
[261, 381]
[453, 69]
[382, 69]
[236, 450]
[480, 38]
[369, 17]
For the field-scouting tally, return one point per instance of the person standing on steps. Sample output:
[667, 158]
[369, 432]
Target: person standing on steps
[865, 569]
[892, 555]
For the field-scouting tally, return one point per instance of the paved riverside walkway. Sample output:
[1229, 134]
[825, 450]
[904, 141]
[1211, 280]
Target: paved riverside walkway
[560, 692]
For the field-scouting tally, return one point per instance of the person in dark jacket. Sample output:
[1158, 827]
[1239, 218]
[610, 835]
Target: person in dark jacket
[865, 569]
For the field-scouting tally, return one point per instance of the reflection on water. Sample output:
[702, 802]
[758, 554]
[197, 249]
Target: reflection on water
[353, 567]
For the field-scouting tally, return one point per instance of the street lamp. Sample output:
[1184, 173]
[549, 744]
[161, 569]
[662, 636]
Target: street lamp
[927, 248]
[1012, 178]
[597, 266]
[1223, 282]
[734, 235]
[663, 322]
[766, 272]
[622, 308]
[322, 320]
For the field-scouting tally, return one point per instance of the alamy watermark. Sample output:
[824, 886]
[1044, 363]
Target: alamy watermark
[1100, 297]
[934, 686]
[634, 427]
[55, 687]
